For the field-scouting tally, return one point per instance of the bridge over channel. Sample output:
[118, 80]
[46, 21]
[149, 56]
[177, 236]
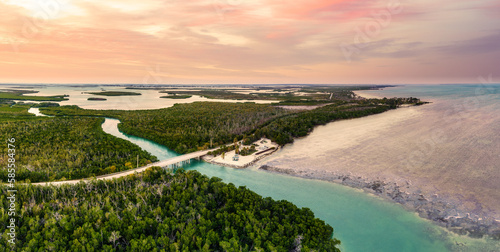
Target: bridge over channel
[168, 163]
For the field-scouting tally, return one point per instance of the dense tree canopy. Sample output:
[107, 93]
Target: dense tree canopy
[187, 127]
[10, 111]
[283, 130]
[160, 211]
[66, 148]
[192, 126]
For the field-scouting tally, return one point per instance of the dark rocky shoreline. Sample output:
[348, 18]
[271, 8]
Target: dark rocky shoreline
[441, 211]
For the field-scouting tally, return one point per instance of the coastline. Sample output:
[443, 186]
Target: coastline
[372, 94]
[367, 94]
[439, 210]
[267, 148]
[471, 217]
[209, 159]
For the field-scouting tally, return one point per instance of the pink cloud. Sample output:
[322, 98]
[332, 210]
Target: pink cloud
[324, 9]
[492, 8]
[212, 39]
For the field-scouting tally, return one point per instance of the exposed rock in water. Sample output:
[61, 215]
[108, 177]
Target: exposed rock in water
[434, 207]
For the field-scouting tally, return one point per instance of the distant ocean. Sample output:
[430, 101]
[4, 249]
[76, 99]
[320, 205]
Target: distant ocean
[457, 139]
[449, 147]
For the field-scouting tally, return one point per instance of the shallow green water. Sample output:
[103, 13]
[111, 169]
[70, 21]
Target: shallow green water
[362, 222]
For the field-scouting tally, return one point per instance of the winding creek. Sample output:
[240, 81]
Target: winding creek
[362, 222]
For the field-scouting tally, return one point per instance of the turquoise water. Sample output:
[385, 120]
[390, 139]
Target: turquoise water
[360, 221]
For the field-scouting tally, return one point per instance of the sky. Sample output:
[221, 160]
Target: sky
[249, 41]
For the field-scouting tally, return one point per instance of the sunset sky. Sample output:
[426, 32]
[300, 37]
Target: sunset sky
[249, 41]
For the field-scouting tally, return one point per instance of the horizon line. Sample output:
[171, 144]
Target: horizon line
[247, 84]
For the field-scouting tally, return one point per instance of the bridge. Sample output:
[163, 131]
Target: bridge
[179, 160]
[168, 163]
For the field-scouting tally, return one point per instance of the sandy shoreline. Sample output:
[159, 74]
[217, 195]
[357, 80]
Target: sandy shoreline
[339, 150]
[264, 147]
[342, 152]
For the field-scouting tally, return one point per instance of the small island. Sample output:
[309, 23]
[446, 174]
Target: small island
[176, 96]
[13, 94]
[115, 93]
[96, 99]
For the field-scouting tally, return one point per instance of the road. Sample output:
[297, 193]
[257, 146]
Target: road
[164, 163]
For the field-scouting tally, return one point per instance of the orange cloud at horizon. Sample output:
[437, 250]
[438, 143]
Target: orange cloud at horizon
[243, 41]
